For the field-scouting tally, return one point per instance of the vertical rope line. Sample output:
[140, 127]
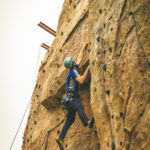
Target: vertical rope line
[27, 105]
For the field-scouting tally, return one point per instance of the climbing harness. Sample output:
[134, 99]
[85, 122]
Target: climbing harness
[67, 98]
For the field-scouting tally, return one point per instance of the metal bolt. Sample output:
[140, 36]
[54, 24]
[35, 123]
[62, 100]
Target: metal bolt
[104, 67]
[98, 39]
[108, 92]
[110, 49]
[58, 81]
[121, 114]
[113, 145]
[107, 144]
[120, 143]
[104, 25]
[34, 122]
[58, 131]
[130, 13]
[58, 65]
[100, 11]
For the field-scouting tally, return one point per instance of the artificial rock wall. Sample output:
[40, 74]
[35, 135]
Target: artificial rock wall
[117, 92]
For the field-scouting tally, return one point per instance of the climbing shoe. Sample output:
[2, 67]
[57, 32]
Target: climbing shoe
[91, 123]
[60, 143]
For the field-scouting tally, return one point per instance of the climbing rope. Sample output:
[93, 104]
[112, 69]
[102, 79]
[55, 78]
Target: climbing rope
[27, 105]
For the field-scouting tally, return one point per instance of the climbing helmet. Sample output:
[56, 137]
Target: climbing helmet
[68, 62]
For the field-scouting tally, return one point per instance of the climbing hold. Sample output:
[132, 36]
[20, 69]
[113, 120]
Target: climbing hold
[37, 96]
[112, 116]
[57, 119]
[117, 116]
[58, 131]
[100, 11]
[127, 129]
[39, 86]
[62, 33]
[58, 81]
[74, 6]
[103, 39]
[30, 136]
[58, 65]
[36, 85]
[111, 29]
[60, 50]
[34, 122]
[107, 144]
[110, 49]
[43, 70]
[108, 92]
[104, 25]
[28, 140]
[104, 67]
[121, 114]
[113, 145]
[89, 50]
[70, 1]
[50, 91]
[130, 13]
[120, 143]
[109, 72]
[98, 39]
[104, 51]
[66, 145]
[30, 128]
[35, 111]
[95, 89]
[55, 77]
[105, 11]
[96, 60]
[121, 95]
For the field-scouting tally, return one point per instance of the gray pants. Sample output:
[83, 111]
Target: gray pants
[74, 106]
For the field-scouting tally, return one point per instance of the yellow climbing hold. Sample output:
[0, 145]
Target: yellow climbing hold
[122, 96]
[109, 72]
[96, 60]
[103, 40]
[65, 46]
[55, 77]
[105, 11]
[61, 112]
[127, 129]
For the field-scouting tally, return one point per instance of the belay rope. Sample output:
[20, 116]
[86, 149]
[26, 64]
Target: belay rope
[27, 105]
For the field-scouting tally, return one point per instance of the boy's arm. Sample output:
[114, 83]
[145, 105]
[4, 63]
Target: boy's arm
[81, 53]
[82, 78]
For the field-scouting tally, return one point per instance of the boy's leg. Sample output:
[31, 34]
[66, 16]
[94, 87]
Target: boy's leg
[77, 106]
[69, 121]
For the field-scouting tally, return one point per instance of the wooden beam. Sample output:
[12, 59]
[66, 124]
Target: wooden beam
[45, 46]
[48, 29]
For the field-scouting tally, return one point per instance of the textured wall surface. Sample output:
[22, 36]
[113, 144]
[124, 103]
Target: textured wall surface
[118, 91]
[119, 63]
